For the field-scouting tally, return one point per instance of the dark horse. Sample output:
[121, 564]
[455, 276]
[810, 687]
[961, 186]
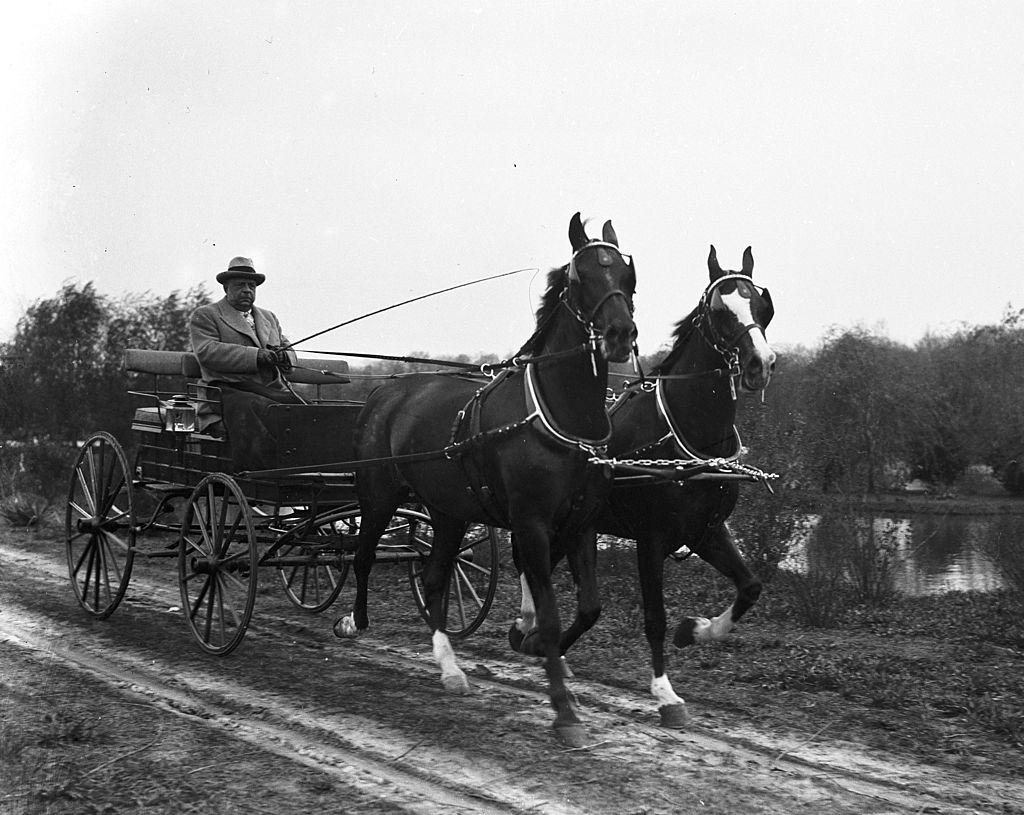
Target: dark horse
[514, 452]
[685, 412]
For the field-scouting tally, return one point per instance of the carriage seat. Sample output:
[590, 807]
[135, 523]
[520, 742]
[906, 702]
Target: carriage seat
[154, 419]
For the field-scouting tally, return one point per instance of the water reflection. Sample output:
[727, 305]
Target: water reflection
[933, 554]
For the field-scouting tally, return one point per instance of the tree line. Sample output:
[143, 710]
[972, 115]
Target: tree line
[858, 413]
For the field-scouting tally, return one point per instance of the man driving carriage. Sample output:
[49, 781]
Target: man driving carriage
[241, 351]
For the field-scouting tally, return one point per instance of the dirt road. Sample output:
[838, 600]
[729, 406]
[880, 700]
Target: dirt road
[299, 721]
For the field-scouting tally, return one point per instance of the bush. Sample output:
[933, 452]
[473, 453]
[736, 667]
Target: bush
[817, 599]
[765, 525]
[24, 509]
[1005, 549]
[863, 549]
[33, 480]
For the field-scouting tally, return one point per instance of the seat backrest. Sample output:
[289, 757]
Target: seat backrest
[190, 366]
[308, 371]
[140, 360]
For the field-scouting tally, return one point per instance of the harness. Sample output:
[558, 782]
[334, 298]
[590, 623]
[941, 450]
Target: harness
[727, 350]
[467, 435]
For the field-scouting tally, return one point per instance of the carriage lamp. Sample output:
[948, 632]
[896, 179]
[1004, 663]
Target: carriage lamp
[179, 415]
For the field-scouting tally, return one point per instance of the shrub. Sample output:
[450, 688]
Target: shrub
[1005, 549]
[765, 525]
[861, 548]
[24, 509]
[33, 480]
[817, 599]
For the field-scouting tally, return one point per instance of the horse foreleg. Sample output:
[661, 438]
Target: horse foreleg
[718, 548]
[583, 564]
[651, 568]
[535, 561]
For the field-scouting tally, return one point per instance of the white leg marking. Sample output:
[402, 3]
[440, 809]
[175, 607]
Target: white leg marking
[527, 619]
[705, 630]
[452, 676]
[661, 690]
[346, 627]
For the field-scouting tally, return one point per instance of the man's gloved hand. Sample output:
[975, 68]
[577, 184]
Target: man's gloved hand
[265, 358]
[272, 355]
[282, 360]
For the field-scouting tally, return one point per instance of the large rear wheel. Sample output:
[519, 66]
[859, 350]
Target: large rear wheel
[474, 578]
[217, 564]
[99, 524]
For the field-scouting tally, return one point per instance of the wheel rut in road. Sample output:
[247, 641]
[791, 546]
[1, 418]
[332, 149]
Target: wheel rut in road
[312, 730]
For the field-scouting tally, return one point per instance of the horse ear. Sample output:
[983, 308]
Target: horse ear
[748, 262]
[609, 233]
[577, 234]
[713, 267]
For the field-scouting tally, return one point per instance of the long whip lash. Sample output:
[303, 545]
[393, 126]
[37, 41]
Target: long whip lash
[406, 302]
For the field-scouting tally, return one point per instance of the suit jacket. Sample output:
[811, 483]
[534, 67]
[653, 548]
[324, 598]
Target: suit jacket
[226, 346]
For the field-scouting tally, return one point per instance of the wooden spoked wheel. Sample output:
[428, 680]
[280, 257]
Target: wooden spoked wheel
[217, 564]
[314, 581]
[474, 577]
[99, 525]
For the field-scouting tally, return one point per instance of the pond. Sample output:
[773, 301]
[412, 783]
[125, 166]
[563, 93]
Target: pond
[932, 553]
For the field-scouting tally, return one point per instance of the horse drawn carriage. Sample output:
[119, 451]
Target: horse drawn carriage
[529, 445]
[302, 523]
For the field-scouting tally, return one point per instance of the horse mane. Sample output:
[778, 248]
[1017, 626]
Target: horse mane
[682, 330]
[557, 279]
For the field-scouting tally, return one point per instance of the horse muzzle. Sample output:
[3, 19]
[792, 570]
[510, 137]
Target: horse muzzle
[757, 372]
[617, 340]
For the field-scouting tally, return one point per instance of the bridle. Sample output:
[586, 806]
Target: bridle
[573, 276]
[728, 346]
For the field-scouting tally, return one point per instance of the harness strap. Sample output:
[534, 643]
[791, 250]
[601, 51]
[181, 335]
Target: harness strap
[537, 410]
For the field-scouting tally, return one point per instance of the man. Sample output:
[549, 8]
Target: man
[239, 351]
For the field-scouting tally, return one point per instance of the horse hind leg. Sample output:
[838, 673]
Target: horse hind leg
[373, 523]
[718, 548]
[437, 573]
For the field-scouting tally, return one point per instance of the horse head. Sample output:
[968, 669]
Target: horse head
[737, 313]
[599, 289]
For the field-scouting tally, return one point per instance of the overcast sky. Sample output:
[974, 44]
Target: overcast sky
[364, 153]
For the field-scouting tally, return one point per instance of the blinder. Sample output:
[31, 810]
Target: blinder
[605, 259]
[762, 309]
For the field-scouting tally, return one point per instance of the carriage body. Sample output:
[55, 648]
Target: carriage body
[300, 518]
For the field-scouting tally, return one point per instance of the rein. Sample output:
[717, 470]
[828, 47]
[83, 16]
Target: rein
[535, 406]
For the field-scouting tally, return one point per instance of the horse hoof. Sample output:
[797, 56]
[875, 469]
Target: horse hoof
[515, 639]
[685, 633]
[571, 735]
[675, 716]
[456, 683]
[345, 628]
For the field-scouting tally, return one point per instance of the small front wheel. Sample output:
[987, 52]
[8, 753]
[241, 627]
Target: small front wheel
[99, 525]
[474, 578]
[317, 574]
[217, 564]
